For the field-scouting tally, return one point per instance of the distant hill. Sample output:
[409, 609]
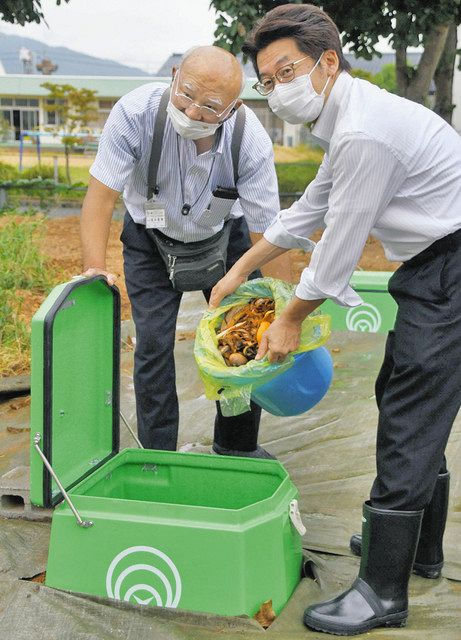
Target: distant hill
[373, 66]
[70, 63]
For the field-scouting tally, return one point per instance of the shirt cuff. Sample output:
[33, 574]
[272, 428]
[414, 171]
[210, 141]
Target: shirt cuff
[307, 290]
[279, 236]
[103, 176]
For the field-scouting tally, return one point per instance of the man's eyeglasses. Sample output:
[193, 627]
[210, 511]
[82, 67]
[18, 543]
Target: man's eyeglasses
[184, 102]
[284, 74]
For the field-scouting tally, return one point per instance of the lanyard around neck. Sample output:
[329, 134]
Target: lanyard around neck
[186, 207]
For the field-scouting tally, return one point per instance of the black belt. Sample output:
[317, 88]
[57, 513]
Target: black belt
[440, 246]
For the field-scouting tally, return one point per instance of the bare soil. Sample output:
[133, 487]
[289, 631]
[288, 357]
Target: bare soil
[62, 245]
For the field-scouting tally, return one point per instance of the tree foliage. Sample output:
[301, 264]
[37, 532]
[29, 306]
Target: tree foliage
[75, 111]
[386, 78]
[23, 11]
[406, 23]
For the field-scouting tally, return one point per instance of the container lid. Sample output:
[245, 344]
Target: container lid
[75, 384]
[371, 281]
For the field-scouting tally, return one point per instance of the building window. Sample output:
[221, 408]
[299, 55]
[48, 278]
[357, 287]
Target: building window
[19, 102]
[106, 104]
[8, 116]
[29, 120]
[104, 108]
[52, 117]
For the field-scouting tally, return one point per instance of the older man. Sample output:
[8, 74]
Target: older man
[391, 168]
[191, 183]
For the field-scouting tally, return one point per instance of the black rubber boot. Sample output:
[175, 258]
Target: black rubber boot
[379, 596]
[429, 553]
[238, 435]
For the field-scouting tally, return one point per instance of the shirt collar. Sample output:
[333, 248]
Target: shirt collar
[324, 127]
[218, 144]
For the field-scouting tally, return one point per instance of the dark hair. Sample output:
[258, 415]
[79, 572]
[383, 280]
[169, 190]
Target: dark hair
[312, 29]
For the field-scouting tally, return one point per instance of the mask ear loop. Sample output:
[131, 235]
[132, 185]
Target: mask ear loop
[315, 65]
[326, 85]
[328, 79]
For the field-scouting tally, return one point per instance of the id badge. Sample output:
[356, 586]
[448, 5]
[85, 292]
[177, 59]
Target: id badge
[155, 215]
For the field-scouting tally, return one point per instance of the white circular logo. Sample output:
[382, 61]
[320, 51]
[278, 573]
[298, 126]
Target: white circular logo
[366, 317]
[144, 575]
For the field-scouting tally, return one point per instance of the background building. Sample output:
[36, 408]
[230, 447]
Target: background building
[23, 99]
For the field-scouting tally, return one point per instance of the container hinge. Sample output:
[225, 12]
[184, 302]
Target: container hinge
[80, 522]
[131, 430]
[295, 518]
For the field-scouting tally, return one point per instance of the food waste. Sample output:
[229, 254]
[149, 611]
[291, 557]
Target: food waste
[242, 328]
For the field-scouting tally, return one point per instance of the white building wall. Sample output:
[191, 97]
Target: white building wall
[291, 134]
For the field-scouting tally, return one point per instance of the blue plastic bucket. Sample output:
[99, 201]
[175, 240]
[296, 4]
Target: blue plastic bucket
[299, 388]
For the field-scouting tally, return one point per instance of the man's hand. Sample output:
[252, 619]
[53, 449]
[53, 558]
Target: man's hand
[284, 334]
[280, 339]
[259, 254]
[225, 287]
[110, 277]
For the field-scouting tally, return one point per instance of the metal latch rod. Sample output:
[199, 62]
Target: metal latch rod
[80, 522]
[131, 430]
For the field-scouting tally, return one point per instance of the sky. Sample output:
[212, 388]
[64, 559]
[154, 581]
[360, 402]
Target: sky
[138, 33]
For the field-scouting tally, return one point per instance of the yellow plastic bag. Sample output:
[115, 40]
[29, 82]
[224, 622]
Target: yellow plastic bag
[232, 386]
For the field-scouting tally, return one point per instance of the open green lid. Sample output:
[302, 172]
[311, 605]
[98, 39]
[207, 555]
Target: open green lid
[75, 384]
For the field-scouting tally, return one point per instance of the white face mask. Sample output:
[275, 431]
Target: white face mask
[188, 128]
[297, 101]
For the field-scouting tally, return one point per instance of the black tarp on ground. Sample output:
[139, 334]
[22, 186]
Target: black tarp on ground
[328, 452]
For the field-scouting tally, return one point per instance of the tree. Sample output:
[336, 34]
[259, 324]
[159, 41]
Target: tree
[443, 77]
[386, 78]
[74, 109]
[363, 74]
[23, 11]
[407, 23]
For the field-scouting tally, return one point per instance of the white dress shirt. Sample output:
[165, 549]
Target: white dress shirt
[392, 169]
[123, 156]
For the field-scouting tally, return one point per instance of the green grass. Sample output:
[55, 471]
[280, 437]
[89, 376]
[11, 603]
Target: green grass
[79, 174]
[22, 267]
[8, 172]
[292, 176]
[295, 176]
[46, 197]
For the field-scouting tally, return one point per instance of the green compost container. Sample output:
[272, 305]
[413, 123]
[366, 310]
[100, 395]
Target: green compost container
[376, 314]
[159, 528]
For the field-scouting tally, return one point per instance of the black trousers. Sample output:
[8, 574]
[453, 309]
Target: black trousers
[418, 389]
[155, 305]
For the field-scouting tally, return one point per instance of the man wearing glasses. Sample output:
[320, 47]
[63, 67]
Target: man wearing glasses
[391, 168]
[196, 198]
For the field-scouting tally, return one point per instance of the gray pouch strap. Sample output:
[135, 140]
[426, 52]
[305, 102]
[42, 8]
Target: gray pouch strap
[237, 140]
[157, 144]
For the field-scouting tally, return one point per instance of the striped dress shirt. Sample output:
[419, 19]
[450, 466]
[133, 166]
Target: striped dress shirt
[123, 156]
[392, 169]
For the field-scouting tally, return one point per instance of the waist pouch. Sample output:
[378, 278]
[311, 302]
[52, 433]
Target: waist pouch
[194, 266]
